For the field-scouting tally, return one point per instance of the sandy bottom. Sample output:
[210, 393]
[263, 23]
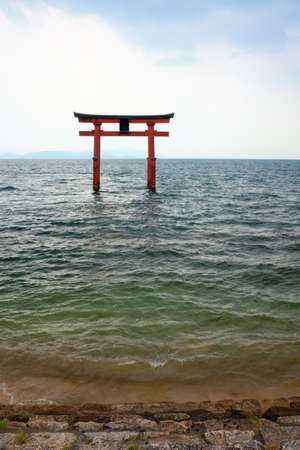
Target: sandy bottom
[26, 390]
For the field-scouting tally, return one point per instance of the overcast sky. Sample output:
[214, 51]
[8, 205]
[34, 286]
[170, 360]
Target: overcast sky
[229, 69]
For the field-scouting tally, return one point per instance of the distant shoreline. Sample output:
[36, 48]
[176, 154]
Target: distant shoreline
[142, 157]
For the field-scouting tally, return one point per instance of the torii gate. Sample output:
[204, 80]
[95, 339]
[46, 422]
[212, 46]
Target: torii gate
[124, 122]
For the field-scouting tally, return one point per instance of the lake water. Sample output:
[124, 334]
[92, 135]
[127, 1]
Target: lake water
[189, 293]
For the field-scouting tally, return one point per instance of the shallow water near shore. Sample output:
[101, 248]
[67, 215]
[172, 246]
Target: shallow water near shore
[189, 293]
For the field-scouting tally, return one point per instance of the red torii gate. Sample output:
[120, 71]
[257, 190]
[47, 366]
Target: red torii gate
[124, 122]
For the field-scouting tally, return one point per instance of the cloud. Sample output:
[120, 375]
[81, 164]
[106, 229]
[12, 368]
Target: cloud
[173, 24]
[228, 102]
[251, 25]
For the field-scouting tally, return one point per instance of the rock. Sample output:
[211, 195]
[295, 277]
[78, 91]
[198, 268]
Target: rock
[172, 416]
[42, 441]
[247, 408]
[282, 402]
[50, 410]
[154, 434]
[158, 446]
[176, 427]
[88, 426]
[132, 423]
[93, 412]
[273, 434]
[198, 427]
[289, 420]
[291, 445]
[248, 445]
[295, 402]
[46, 423]
[147, 408]
[53, 441]
[228, 438]
[212, 410]
[242, 424]
[110, 437]
[143, 424]
[279, 411]
[213, 425]
[98, 408]
[7, 441]
[15, 425]
[291, 432]
[110, 440]
[191, 444]
[63, 418]
[215, 437]
[237, 436]
[57, 426]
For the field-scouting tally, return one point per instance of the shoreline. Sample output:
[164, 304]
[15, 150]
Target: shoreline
[224, 424]
[25, 389]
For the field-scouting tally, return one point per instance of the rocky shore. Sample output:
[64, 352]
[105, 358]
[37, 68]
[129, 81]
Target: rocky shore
[246, 424]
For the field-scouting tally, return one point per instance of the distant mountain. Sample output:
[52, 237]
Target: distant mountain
[46, 155]
[118, 153]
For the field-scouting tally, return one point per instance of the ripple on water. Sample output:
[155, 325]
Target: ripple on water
[194, 289]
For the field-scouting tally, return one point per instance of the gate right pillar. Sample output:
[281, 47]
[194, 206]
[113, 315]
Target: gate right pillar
[96, 158]
[151, 169]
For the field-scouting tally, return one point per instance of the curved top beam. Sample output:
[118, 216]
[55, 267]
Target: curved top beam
[129, 117]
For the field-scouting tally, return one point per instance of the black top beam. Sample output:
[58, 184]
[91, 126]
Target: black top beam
[142, 117]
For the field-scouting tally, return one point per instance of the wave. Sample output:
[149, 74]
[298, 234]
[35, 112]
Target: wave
[8, 188]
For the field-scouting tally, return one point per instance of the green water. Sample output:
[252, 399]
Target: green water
[192, 292]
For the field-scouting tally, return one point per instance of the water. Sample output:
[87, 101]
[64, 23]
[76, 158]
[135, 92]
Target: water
[189, 293]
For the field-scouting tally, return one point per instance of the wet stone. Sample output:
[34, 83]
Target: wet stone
[274, 412]
[214, 408]
[202, 414]
[247, 408]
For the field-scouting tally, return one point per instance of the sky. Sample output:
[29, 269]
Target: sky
[228, 69]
